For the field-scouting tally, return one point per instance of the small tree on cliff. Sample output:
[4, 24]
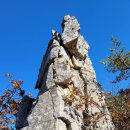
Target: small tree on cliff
[9, 103]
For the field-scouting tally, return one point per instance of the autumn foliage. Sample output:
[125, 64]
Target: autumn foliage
[119, 107]
[118, 62]
[9, 103]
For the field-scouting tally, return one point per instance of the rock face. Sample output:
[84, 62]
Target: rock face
[69, 96]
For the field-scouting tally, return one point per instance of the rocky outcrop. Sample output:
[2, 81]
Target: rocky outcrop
[69, 96]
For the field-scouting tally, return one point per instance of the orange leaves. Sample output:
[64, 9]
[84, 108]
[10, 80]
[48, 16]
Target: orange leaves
[119, 117]
[14, 106]
[95, 104]
[16, 84]
[9, 103]
[3, 112]
[92, 119]
[76, 91]
[72, 97]
[119, 107]
[67, 100]
[75, 95]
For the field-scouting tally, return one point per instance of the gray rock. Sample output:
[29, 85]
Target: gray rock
[63, 73]
[24, 111]
[77, 63]
[71, 30]
[49, 79]
[68, 90]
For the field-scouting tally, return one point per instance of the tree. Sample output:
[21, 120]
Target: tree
[119, 105]
[118, 61]
[9, 103]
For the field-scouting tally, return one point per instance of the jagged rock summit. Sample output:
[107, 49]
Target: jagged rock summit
[69, 96]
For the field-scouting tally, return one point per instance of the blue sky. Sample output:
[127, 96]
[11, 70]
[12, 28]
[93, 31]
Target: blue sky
[25, 29]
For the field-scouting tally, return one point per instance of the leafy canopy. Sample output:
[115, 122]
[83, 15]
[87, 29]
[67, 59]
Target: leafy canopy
[118, 61]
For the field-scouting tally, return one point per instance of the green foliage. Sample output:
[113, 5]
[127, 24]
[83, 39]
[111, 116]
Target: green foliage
[118, 61]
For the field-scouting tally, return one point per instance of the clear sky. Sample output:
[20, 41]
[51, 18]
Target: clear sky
[25, 29]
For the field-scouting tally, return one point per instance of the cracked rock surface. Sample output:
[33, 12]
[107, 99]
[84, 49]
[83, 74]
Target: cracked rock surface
[69, 96]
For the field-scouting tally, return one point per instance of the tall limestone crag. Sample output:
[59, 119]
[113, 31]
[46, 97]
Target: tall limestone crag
[69, 96]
